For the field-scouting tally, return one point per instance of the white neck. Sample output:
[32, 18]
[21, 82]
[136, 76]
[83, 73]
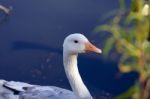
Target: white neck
[71, 69]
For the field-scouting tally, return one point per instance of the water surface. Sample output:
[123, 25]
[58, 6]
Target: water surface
[31, 40]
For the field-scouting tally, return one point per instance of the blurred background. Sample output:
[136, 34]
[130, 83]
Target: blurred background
[31, 39]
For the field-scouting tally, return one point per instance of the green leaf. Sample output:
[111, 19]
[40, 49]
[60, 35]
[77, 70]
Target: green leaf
[122, 4]
[131, 91]
[102, 28]
[126, 95]
[146, 47]
[108, 45]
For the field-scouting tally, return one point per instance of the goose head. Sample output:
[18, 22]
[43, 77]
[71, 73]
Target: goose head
[77, 43]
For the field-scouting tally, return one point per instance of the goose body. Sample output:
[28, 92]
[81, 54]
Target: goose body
[21, 90]
[73, 45]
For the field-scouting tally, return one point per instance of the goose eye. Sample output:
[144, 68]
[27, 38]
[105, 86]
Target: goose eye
[75, 41]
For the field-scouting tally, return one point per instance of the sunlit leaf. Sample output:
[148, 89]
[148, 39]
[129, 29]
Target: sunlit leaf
[136, 5]
[125, 68]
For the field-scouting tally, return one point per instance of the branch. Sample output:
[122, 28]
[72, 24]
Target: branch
[5, 9]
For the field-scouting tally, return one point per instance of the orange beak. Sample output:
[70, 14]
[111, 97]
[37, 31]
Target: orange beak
[89, 47]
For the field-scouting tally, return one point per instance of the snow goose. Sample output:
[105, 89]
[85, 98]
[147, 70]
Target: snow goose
[73, 45]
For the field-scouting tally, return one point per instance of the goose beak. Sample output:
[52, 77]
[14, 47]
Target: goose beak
[89, 47]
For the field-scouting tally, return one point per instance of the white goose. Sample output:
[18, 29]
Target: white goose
[73, 45]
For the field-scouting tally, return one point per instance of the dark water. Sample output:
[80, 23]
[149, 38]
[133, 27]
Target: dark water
[31, 40]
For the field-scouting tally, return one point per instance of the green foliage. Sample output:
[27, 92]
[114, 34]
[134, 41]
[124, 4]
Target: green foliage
[129, 32]
[134, 90]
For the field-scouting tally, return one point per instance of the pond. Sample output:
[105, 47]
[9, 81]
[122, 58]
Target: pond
[31, 40]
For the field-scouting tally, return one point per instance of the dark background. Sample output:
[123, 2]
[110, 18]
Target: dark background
[31, 39]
